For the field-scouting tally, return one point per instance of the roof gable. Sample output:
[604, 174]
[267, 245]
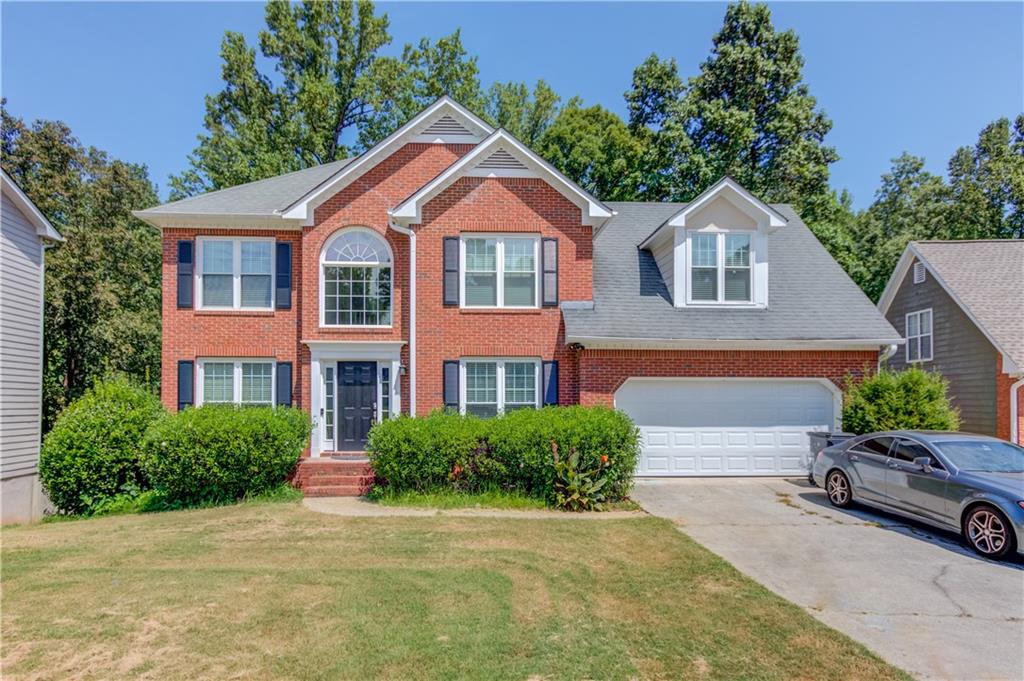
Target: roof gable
[502, 155]
[13, 192]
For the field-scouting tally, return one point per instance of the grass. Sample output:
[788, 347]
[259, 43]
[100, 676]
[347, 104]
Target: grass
[446, 498]
[275, 591]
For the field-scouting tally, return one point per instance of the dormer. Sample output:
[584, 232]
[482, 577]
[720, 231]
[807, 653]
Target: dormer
[714, 252]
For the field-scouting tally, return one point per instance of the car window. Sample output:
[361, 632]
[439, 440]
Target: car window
[879, 446]
[908, 450]
[985, 456]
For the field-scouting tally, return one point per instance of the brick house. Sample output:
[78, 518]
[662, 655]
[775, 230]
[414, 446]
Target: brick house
[960, 306]
[450, 266]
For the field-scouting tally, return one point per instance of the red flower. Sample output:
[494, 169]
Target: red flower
[604, 459]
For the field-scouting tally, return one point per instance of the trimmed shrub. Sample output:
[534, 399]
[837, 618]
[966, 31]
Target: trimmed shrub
[222, 453]
[912, 399]
[510, 452]
[92, 452]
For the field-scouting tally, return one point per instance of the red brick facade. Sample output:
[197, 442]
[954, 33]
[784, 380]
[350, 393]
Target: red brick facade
[601, 372]
[1004, 419]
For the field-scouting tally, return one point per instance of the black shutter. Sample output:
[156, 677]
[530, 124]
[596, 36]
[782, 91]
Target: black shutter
[283, 294]
[283, 390]
[186, 260]
[549, 280]
[451, 270]
[550, 377]
[451, 384]
[186, 383]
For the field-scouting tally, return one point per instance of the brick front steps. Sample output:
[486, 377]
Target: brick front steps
[333, 477]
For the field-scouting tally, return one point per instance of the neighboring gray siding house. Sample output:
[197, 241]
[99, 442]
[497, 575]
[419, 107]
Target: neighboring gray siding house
[960, 307]
[24, 235]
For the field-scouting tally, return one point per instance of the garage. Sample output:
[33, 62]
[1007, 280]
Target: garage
[723, 426]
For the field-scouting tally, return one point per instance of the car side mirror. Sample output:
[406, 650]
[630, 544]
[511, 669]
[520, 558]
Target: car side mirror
[924, 462]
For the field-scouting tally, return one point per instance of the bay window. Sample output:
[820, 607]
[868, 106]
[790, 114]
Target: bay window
[498, 386]
[228, 381]
[500, 271]
[721, 268]
[235, 273]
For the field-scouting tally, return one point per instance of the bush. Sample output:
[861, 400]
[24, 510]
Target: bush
[92, 452]
[913, 399]
[222, 453]
[511, 452]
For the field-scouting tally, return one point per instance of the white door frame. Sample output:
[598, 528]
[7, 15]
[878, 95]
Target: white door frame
[329, 353]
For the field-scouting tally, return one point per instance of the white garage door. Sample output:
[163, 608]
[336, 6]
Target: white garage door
[725, 426]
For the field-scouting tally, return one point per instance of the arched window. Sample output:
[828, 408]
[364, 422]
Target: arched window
[355, 268]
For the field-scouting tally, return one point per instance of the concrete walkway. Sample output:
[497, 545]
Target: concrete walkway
[913, 595]
[359, 507]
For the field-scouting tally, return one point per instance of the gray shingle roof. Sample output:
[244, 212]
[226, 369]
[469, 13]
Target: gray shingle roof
[263, 197]
[988, 279]
[810, 297]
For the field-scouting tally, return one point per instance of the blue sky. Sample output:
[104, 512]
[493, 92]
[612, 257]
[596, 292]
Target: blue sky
[130, 77]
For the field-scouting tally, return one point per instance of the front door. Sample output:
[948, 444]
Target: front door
[357, 404]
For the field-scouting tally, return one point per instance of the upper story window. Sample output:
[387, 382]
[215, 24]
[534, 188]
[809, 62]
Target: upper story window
[355, 274]
[919, 336]
[720, 267]
[500, 271]
[236, 273]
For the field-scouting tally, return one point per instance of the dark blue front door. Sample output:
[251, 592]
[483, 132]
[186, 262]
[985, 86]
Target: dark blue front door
[357, 404]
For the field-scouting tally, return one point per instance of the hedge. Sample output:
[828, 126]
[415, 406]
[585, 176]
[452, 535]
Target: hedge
[92, 452]
[221, 453]
[912, 399]
[511, 452]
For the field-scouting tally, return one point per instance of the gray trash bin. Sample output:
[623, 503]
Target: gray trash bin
[819, 440]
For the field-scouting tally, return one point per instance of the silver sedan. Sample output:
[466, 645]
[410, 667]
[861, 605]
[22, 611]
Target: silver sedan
[971, 484]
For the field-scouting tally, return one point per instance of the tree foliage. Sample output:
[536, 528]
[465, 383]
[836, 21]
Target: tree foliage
[511, 106]
[102, 297]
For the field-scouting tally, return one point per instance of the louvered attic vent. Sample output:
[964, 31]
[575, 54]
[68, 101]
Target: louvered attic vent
[446, 125]
[919, 273]
[503, 160]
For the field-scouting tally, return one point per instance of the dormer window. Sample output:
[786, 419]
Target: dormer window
[720, 267]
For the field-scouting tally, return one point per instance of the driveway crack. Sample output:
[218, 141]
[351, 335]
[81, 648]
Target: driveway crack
[945, 592]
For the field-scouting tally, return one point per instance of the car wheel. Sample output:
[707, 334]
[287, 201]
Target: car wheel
[837, 487]
[988, 532]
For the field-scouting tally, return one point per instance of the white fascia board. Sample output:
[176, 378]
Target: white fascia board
[303, 208]
[594, 212]
[614, 343]
[216, 221]
[775, 218]
[897, 276]
[43, 227]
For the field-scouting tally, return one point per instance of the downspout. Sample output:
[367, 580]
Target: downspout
[412, 311]
[887, 354]
[1014, 407]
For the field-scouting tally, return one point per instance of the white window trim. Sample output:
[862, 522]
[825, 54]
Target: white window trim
[323, 288]
[500, 361]
[499, 253]
[720, 253]
[917, 339]
[236, 295]
[236, 384]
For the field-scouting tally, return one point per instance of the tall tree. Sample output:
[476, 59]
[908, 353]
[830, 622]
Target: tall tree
[511, 106]
[102, 297]
[595, 148]
[334, 86]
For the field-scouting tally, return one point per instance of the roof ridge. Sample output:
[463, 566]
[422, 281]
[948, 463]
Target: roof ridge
[970, 241]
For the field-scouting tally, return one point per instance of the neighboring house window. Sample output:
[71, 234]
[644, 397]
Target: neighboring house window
[721, 268]
[226, 381]
[236, 273]
[355, 276]
[497, 386]
[919, 336]
[500, 271]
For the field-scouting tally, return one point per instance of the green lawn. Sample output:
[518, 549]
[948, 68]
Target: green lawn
[276, 591]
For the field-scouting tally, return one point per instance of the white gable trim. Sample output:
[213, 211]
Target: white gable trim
[748, 203]
[594, 212]
[13, 192]
[896, 280]
[413, 131]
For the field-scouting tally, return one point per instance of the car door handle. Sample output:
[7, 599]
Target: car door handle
[854, 457]
[893, 464]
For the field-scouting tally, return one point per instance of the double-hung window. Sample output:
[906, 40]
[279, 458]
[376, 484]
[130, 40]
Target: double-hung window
[721, 268]
[236, 273]
[500, 271]
[919, 336]
[356, 279]
[497, 386]
[242, 381]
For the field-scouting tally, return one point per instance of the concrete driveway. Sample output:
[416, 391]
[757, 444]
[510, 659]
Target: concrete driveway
[911, 594]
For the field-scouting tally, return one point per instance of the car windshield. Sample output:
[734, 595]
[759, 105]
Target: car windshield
[984, 456]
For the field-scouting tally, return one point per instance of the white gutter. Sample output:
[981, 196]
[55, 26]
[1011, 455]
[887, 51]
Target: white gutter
[1015, 435]
[412, 311]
